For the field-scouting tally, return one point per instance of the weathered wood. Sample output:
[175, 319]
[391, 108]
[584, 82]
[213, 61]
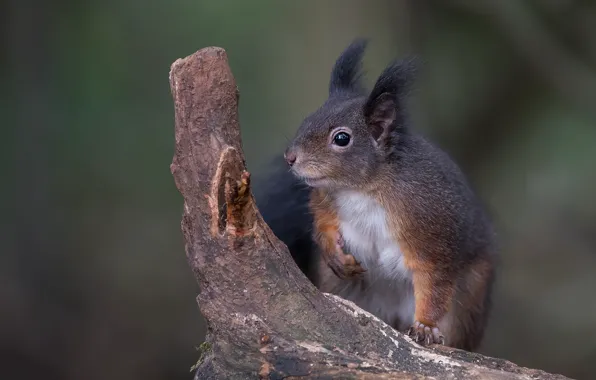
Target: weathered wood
[265, 319]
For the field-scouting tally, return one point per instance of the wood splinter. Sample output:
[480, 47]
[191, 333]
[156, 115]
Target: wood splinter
[239, 204]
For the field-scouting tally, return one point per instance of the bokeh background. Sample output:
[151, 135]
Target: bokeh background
[95, 283]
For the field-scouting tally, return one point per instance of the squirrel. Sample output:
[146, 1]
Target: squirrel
[399, 230]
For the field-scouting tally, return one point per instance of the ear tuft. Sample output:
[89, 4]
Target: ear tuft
[384, 109]
[346, 72]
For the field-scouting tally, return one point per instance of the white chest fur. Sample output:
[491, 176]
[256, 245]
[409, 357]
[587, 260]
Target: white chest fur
[363, 224]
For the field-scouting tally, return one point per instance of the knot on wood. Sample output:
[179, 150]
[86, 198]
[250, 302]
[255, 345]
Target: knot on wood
[239, 206]
[235, 213]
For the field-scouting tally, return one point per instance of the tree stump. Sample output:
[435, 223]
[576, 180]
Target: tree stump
[265, 318]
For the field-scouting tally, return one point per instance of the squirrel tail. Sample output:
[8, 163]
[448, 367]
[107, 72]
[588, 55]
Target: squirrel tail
[282, 200]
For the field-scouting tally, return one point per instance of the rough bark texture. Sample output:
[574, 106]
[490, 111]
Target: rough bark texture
[265, 319]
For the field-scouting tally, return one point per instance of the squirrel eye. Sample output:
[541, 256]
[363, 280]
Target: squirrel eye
[341, 139]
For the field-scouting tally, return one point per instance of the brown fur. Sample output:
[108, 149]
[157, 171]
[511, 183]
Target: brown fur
[326, 232]
[464, 324]
[454, 299]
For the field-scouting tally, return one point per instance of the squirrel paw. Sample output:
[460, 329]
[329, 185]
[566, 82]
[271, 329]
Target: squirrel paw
[425, 334]
[343, 264]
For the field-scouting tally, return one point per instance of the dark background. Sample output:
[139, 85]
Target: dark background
[94, 280]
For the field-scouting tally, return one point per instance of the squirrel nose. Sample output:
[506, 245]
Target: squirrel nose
[290, 157]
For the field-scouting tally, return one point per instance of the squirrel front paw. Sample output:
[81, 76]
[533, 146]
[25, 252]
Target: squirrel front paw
[344, 265]
[425, 334]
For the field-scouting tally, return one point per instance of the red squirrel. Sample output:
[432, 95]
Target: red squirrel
[399, 229]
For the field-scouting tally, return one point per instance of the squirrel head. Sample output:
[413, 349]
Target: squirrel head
[344, 142]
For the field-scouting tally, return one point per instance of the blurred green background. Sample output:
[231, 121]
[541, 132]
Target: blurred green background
[95, 283]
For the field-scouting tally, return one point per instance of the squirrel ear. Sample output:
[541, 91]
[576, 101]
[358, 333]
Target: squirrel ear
[346, 72]
[384, 108]
[381, 115]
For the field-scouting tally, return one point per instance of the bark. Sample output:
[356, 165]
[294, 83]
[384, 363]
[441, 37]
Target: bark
[265, 319]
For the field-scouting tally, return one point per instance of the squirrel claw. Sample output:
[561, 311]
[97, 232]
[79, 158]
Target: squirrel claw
[340, 241]
[426, 335]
